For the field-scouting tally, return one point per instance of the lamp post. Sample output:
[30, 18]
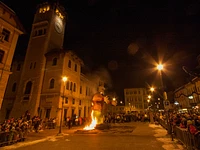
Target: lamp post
[64, 79]
[165, 101]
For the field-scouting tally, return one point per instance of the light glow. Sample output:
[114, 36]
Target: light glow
[160, 67]
[92, 124]
[64, 79]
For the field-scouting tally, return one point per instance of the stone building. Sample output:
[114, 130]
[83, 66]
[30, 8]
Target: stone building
[188, 95]
[36, 84]
[135, 99]
[10, 29]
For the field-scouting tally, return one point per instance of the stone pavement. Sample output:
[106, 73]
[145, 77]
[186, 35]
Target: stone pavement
[138, 128]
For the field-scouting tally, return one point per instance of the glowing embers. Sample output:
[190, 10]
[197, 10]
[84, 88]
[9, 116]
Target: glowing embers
[59, 14]
[44, 9]
[92, 124]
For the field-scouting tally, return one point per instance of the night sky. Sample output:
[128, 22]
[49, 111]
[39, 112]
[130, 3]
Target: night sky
[125, 37]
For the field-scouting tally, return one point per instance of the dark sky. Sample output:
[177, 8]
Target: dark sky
[100, 32]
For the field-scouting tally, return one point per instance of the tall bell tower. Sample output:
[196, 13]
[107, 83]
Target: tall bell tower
[47, 35]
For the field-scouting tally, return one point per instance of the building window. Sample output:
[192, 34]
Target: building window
[51, 85]
[86, 92]
[69, 64]
[28, 88]
[75, 67]
[79, 112]
[73, 101]
[31, 66]
[34, 65]
[67, 85]
[79, 102]
[6, 34]
[80, 89]
[54, 63]
[74, 87]
[1, 55]
[71, 85]
[39, 32]
[66, 100]
[18, 67]
[44, 9]
[48, 112]
[14, 87]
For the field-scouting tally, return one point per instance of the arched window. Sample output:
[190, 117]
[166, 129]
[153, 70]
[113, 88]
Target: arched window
[54, 63]
[14, 87]
[69, 64]
[51, 85]
[67, 85]
[74, 87]
[71, 85]
[75, 67]
[28, 88]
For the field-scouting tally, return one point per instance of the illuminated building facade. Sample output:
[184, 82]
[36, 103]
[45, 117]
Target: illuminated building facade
[10, 29]
[135, 99]
[38, 78]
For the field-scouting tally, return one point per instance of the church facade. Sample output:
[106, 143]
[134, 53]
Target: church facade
[36, 84]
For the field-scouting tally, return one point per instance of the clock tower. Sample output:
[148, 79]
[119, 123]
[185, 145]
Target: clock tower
[47, 35]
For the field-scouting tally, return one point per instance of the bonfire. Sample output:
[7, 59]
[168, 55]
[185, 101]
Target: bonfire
[93, 123]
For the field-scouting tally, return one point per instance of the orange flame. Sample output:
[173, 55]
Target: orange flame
[92, 124]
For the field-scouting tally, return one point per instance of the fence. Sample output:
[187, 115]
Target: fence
[11, 137]
[190, 141]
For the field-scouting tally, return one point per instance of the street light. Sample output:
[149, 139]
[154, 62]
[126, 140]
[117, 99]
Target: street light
[160, 68]
[64, 79]
[152, 89]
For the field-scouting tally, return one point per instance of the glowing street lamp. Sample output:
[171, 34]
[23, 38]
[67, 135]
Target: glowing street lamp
[64, 79]
[160, 67]
[152, 89]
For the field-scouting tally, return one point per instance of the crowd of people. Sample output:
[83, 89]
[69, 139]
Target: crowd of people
[126, 117]
[185, 126]
[190, 121]
[16, 129]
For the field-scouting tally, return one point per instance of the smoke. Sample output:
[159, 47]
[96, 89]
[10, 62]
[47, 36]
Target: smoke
[101, 74]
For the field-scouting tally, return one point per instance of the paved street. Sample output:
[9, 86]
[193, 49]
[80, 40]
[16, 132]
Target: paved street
[126, 136]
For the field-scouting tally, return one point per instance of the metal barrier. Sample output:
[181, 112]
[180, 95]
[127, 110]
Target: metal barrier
[163, 123]
[11, 137]
[190, 141]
